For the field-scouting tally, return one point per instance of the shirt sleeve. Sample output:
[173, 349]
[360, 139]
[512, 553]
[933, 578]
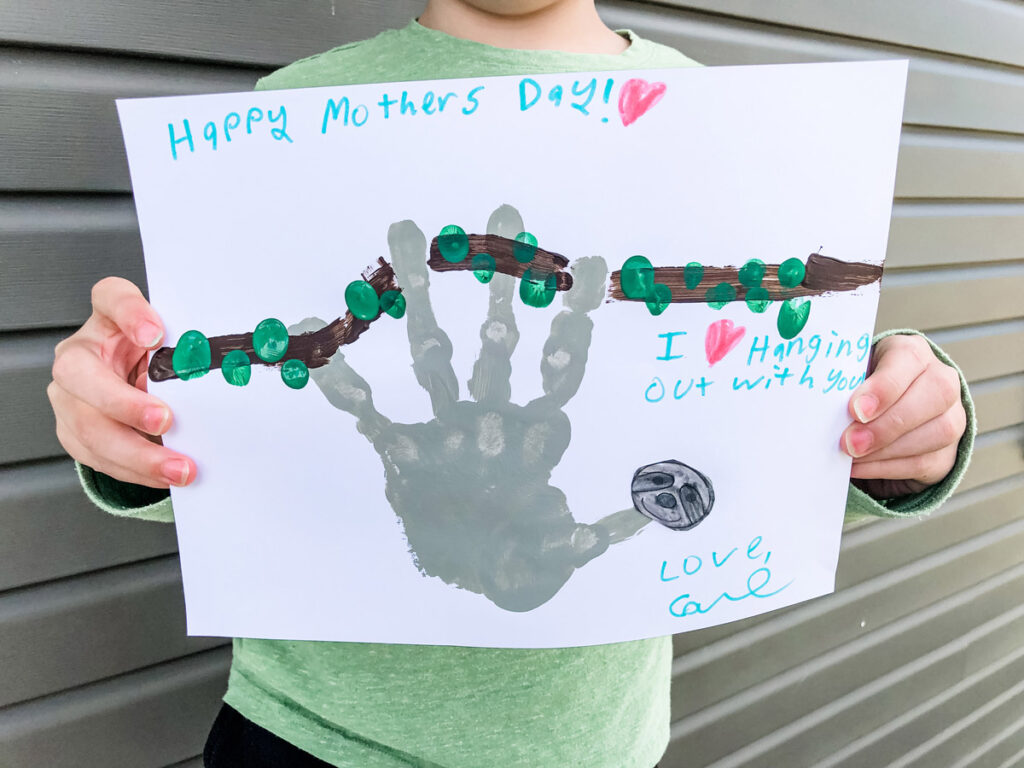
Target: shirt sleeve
[860, 505]
[125, 499]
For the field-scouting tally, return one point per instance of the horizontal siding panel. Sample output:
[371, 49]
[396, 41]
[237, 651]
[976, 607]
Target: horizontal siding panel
[146, 719]
[940, 92]
[819, 627]
[1005, 750]
[997, 455]
[959, 166]
[59, 120]
[71, 632]
[999, 403]
[880, 548]
[985, 352]
[52, 250]
[43, 510]
[951, 298]
[917, 725]
[960, 740]
[946, 234]
[990, 30]
[806, 713]
[25, 364]
[246, 31]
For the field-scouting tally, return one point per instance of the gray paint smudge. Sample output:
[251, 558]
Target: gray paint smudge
[472, 486]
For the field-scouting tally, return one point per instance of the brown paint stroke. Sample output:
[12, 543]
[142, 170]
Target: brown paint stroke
[314, 348]
[823, 275]
[502, 249]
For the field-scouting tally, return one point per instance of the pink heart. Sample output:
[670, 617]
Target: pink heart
[636, 97]
[720, 340]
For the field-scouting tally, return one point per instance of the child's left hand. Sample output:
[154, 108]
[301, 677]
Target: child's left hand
[908, 419]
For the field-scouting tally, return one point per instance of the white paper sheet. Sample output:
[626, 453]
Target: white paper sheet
[513, 520]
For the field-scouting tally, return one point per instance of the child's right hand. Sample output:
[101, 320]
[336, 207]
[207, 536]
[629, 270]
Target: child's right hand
[105, 418]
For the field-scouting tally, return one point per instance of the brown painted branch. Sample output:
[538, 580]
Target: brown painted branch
[502, 250]
[314, 348]
[823, 275]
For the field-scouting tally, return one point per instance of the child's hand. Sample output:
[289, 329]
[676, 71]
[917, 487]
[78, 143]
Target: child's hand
[908, 419]
[104, 415]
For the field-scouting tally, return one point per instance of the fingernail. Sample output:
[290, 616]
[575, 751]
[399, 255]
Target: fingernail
[858, 442]
[865, 407]
[175, 471]
[155, 418]
[148, 335]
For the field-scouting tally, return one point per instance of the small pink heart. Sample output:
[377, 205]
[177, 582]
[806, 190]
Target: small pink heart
[720, 340]
[636, 97]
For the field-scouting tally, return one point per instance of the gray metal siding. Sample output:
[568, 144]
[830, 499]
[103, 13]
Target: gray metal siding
[916, 660]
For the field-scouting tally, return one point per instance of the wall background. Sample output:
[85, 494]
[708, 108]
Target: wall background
[917, 660]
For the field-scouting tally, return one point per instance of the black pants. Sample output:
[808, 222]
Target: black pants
[236, 742]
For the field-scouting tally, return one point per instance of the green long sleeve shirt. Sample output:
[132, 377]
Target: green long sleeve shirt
[387, 706]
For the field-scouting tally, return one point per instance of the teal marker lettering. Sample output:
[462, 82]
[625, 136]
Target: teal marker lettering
[175, 142]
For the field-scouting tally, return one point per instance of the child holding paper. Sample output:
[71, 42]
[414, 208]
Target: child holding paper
[384, 706]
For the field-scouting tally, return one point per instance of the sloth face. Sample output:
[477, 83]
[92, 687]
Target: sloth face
[677, 496]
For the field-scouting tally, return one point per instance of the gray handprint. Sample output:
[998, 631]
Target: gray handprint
[472, 485]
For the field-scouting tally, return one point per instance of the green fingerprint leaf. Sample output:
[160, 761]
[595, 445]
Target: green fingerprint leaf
[660, 298]
[791, 273]
[294, 374]
[393, 302]
[270, 340]
[637, 277]
[236, 368]
[693, 273]
[191, 357]
[758, 299]
[483, 267]
[525, 248]
[362, 301]
[793, 314]
[752, 273]
[453, 244]
[537, 290]
[720, 295]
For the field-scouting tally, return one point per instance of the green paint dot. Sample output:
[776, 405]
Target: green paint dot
[758, 299]
[294, 374]
[483, 267]
[637, 277]
[791, 273]
[525, 248]
[270, 340]
[453, 243]
[752, 273]
[393, 302]
[236, 368]
[537, 290]
[362, 301]
[793, 314]
[720, 295]
[693, 273]
[191, 357]
[660, 298]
